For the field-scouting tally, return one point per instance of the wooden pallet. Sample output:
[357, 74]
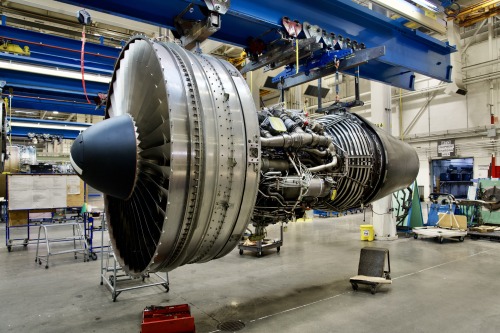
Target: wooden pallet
[493, 235]
[484, 228]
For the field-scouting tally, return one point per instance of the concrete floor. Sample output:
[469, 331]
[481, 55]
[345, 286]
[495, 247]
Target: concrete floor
[450, 287]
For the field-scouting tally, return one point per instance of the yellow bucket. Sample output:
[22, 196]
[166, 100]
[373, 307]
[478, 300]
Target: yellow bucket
[367, 232]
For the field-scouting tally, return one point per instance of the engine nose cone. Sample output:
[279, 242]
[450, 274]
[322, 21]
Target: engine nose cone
[105, 156]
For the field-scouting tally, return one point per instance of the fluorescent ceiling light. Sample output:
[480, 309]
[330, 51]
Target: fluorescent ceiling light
[55, 112]
[413, 13]
[427, 4]
[27, 112]
[48, 126]
[13, 66]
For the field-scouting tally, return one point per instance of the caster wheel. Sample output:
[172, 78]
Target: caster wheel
[9, 248]
[354, 286]
[373, 290]
[259, 254]
[415, 236]
[46, 266]
[39, 262]
[102, 283]
[167, 288]
[441, 240]
[114, 298]
[241, 252]
[278, 249]
[93, 255]
[387, 276]
[461, 239]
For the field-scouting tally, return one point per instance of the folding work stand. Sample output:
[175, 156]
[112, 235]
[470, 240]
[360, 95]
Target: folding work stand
[371, 269]
[77, 237]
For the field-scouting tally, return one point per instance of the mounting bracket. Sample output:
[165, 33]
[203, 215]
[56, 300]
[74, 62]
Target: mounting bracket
[359, 57]
[193, 32]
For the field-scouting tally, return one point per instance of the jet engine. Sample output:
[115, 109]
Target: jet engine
[186, 161]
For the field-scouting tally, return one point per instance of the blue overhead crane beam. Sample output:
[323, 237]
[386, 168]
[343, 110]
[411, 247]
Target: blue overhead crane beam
[20, 127]
[33, 90]
[408, 51]
[51, 93]
[50, 60]
[62, 86]
[55, 103]
[54, 51]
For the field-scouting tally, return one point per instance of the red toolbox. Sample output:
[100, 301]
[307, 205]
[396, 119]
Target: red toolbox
[167, 319]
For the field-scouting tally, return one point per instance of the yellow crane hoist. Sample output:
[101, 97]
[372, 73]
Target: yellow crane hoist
[7, 46]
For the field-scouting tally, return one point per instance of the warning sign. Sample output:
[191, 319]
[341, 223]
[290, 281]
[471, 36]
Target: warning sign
[446, 148]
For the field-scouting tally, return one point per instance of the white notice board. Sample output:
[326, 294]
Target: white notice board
[37, 191]
[73, 184]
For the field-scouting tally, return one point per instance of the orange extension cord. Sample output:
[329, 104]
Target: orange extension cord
[82, 65]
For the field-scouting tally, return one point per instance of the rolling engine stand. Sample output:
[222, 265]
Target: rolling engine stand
[262, 244]
[442, 230]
